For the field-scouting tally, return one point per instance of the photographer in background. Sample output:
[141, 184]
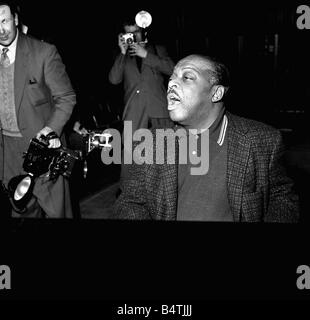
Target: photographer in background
[36, 99]
[141, 67]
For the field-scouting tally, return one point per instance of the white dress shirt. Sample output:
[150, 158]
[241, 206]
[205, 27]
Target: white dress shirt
[12, 49]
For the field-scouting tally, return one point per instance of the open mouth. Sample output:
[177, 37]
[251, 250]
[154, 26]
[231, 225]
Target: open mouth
[173, 101]
[173, 98]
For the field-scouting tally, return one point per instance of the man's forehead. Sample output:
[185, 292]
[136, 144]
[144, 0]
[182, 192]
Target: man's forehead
[131, 28]
[4, 9]
[194, 62]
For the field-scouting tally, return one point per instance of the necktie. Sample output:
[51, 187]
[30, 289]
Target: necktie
[4, 61]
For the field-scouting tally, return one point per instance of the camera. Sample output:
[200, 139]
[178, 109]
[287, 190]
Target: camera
[40, 159]
[94, 140]
[129, 38]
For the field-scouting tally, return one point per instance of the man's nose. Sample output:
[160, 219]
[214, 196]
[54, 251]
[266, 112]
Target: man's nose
[172, 85]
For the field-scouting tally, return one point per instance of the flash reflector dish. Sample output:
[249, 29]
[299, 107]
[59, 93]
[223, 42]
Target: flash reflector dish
[22, 188]
[143, 19]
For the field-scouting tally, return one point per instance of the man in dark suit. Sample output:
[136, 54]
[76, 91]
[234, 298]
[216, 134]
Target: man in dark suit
[245, 181]
[36, 98]
[141, 66]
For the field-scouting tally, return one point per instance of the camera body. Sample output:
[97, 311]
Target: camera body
[40, 159]
[129, 38]
[94, 140]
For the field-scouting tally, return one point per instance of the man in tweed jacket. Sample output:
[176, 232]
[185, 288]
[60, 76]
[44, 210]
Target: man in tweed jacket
[245, 181]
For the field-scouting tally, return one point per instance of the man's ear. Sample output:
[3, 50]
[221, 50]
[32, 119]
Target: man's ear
[218, 94]
[16, 19]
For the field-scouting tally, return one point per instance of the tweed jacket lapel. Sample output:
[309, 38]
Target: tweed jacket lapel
[170, 188]
[237, 160]
[165, 177]
[20, 71]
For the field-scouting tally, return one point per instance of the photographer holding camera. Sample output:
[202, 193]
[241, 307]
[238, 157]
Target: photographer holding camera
[141, 67]
[36, 101]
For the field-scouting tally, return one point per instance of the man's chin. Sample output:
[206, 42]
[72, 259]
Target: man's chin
[5, 42]
[175, 116]
[8, 39]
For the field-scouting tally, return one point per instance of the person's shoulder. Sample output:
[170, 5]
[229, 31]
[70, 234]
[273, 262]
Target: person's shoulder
[157, 47]
[36, 43]
[252, 127]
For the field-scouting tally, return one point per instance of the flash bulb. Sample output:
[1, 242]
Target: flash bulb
[143, 19]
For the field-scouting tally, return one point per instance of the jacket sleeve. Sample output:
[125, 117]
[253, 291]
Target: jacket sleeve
[283, 201]
[117, 70]
[160, 61]
[63, 95]
[131, 204]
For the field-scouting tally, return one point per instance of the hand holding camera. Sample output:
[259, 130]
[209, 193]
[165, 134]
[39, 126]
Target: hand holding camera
[79, 129]
[53, 139]
[136, 49]
[128, 42]
[122, 43]
[40, 160]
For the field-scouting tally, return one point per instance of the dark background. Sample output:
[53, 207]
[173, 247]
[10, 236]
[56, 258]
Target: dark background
[260, 42]
[269, 59]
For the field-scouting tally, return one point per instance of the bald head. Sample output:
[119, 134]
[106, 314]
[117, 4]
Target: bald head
[202, 61]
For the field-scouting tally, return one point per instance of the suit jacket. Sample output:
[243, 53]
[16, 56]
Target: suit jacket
[43, 97]
[145, 91]
[257, 186]
[43, 92]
